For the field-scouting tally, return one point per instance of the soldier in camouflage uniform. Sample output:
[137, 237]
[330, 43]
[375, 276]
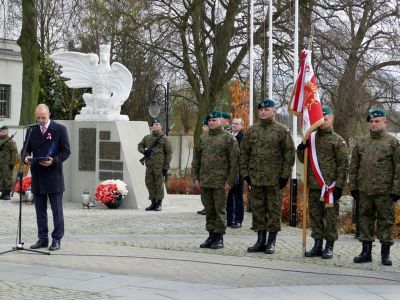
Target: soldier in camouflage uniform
[214, 169]
[331, 152]
[375, 178]
[157, 163]
[226, 118]
[8, 156]
[267, 155]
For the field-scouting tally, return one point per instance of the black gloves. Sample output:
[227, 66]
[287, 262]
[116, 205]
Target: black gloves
[394, 197]
[147, 152]
[11, 167]
[337, 193]
[303, 146]
[355, 194]
[283, 182]
[165, 172]
[247, 179]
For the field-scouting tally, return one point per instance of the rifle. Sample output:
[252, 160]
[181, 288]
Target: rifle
[7, 140]
[152, 146]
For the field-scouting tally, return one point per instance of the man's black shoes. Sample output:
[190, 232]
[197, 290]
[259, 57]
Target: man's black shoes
[40, 244]
[55, 245]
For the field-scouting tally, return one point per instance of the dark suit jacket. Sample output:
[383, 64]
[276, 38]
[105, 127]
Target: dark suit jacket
[239, 181]
[47, 180]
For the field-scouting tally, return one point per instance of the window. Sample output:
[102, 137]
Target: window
[5, 93]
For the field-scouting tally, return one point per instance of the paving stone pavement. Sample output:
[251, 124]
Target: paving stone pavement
[133, 254]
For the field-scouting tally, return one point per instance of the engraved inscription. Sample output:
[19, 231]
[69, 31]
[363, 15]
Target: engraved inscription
[111, 175]
[105, 135]
[110, 150]
[111, 165]
[87, 149]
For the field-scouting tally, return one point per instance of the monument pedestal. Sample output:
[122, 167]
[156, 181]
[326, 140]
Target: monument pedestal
[102, 150]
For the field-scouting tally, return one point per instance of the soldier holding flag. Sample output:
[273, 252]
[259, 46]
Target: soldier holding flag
[8, 156]
[329, 163]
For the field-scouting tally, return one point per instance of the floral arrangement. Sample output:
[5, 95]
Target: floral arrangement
[109, 190]
[26, 184]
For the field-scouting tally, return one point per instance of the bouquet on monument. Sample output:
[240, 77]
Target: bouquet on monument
[111, 191]
[26, 184]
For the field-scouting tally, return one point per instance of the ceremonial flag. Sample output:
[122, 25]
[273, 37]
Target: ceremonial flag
[304, 100]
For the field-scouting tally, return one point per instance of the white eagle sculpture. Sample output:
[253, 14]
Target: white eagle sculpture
[110, 85]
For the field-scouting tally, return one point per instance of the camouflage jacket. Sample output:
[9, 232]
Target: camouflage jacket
[162, 153]
[8, 153]
[375, 164]
[215, 159]
[267, 153]
[332, 158]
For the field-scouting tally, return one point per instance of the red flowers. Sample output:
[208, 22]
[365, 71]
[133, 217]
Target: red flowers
[26, 184]
[106, 193]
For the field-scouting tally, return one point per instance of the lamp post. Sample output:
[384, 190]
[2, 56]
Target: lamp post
[154, 108]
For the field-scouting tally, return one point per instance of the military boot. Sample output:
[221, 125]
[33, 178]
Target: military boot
[152, 205]
[316, 250]
[365, 255]
[270, 248]
[158, 205]
[259, 246]
[385, 254]
[6, 195]
[207, 243]
[328, 251]
[218, 241]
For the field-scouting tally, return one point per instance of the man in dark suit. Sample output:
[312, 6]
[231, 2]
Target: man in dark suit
[46, 148]
[234, 203]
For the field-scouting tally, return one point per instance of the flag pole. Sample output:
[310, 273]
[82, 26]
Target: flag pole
[251, 58]
[305, 201]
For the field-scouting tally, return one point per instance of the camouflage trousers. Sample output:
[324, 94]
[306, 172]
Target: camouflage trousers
[379, 208]
[324, 220]
[214, 201]
[5, 178]
[267, 208]
[155, 183]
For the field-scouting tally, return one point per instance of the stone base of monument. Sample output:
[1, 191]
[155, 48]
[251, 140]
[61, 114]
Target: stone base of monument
[102, 150]
[107, 117]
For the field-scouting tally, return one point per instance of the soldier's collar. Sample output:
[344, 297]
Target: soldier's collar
[325, 130]
[266, 122]
[377, 134]
[215, 130]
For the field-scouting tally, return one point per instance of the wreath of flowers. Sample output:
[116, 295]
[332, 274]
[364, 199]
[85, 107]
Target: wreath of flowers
[26, 184]
[108, 190]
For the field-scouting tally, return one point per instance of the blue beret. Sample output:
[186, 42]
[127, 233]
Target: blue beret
[375, 113]
[266, 103]
[4, 127]
[214, 114]
[205, 122]
[226, 115]
[326, 111]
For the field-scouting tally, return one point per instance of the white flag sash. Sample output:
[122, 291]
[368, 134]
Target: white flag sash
[326, 191]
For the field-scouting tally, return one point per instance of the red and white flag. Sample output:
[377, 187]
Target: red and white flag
[304, 100]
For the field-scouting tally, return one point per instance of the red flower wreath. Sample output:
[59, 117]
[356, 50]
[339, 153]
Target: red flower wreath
[26, 184]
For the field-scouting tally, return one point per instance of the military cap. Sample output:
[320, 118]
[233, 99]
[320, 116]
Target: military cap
[214, 114]
[375, 113]
[326, 110]
[155, 121]
[226, 115]
[205, 122]
[4, 127]
[266, 103]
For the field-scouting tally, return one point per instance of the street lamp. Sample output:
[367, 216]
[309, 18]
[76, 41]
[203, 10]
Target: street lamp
[154, 108]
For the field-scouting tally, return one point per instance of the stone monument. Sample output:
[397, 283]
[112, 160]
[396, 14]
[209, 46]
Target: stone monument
[103, 142]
